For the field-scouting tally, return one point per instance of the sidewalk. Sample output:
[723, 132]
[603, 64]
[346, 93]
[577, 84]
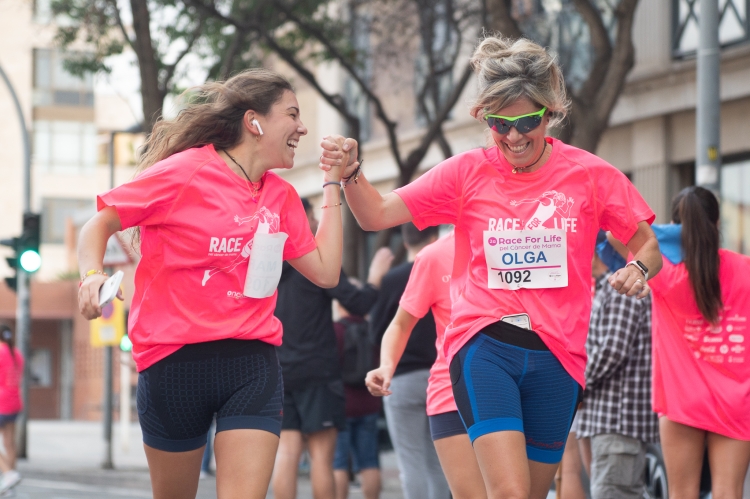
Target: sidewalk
[65, 461]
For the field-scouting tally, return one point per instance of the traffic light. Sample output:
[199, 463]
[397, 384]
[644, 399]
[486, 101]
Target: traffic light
[125, 344]
[28, 243]
[12, 282]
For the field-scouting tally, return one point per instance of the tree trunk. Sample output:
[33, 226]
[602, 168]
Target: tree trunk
[151, 92]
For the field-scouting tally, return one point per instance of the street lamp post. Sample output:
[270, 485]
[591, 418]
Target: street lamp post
[708, 112]
[23, 303]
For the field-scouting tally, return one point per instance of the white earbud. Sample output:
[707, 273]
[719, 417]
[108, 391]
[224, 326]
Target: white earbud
[257, 125]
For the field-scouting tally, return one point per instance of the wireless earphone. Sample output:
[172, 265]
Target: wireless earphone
[257, 125]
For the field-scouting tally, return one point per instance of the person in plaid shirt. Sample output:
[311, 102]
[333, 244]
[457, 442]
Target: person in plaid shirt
[616, 420]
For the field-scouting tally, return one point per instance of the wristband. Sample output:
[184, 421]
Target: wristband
[331, 183]
[89, 274]
[639, 265]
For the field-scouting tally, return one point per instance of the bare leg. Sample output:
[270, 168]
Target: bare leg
[174, 475]
[244, 463]
[9, 442]
[682, 447]
[370, 479]
[507, 472]
[460, 466]
[728, 459]
[570, 483]
[341, 478]
[291, 446]
[584, 448]
[322, 446]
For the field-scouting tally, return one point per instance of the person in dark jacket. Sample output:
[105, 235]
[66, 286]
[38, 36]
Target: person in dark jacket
[313, 391]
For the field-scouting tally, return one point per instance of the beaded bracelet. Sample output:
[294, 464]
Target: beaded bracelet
[354, 176]
[330, 206]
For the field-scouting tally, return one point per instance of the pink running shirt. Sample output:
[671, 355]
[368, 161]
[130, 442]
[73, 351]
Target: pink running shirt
[701, 373]
[429, 288]
[574, 191]
[11, 370]
[197, 222]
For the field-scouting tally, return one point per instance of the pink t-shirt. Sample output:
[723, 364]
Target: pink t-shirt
[10, 380]
[429, 288]
[574, 191]
[701, 373]
[197, 222]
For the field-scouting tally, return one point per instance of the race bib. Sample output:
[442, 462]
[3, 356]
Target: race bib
[531, 259]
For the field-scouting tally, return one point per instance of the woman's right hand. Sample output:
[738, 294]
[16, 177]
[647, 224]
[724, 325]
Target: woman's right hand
[88, 296]
[378, 381]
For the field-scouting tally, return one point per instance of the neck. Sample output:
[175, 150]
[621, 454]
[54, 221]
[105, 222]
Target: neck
[536, 165]
[411, 251]
[247, 160]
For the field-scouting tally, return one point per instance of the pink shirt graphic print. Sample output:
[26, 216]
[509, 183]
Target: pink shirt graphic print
[197, 222]
[575, 193]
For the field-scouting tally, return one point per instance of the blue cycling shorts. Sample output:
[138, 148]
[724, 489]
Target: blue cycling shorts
[506, 379]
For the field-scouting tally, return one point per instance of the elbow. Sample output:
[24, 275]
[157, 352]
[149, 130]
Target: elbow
[328, 282]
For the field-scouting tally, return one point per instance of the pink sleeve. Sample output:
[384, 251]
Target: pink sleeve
[147, 199]
[418, 295]
[294, 223]
[435, 197]
[620, 206]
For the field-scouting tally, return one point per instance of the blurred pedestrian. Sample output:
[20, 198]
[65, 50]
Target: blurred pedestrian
[314, 407]
[701, 376]
[204, 335]
[527, 210]
[357, 447]
[428, 290]
[406, 406]
[208, 452]
[11, 373]
[616, 421]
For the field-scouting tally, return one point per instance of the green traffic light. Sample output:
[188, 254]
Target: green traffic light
[30, 261]
[125, 344]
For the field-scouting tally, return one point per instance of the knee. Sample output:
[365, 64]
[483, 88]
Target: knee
[509, 491]
[722, 491]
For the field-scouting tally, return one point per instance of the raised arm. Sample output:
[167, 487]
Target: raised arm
[322, 266]
[92, 242]
[372, 210]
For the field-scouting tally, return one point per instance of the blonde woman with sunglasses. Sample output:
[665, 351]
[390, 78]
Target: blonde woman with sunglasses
[527, 210]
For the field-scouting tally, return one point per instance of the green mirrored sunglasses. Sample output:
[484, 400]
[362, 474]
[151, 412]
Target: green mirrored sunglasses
[524, 123]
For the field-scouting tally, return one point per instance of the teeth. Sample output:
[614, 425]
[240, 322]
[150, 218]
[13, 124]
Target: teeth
[518, 149]
[292, 143]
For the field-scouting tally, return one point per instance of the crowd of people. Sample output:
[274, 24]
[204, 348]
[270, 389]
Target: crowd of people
[488, 341]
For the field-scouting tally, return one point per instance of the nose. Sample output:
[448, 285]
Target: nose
[302, 129]
[514, 135]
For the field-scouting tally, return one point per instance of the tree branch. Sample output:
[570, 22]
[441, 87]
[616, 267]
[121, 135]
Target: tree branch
[601, 45]
[500, 19]
[118, 20]
[170, 68]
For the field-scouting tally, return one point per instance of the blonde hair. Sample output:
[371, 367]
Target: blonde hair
[509, 70]
[214, 114]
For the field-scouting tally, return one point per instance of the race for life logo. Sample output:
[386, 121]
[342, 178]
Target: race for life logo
[552, 210]
[263, 221]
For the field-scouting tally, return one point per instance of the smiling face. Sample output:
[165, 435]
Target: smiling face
[521, 149]
[282, 129]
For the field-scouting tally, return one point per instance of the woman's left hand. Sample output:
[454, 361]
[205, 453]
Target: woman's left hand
[630, 281]
[335, 158]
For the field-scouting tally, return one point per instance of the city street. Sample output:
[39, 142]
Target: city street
[65, 457]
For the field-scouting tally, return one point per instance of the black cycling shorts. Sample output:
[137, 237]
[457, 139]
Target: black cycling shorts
[238, 380]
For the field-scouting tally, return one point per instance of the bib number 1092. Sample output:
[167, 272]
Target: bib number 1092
[516, 276]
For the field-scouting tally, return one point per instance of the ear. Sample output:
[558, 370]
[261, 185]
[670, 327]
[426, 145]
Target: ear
[250, 116]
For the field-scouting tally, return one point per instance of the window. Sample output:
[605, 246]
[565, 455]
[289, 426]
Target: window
[65, 146]
[735, 206]
[55, 215]
[733, 24]
[54, 86]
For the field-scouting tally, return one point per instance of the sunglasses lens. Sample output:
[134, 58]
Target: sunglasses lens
[499, 125]
[528, 123]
